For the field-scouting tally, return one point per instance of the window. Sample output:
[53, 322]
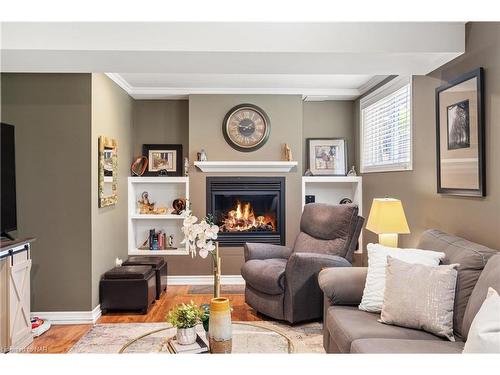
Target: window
[386, 142]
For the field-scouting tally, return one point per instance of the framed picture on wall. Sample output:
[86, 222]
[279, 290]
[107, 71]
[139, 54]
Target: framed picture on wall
[327, 156]
[163, 160]
[460, 136]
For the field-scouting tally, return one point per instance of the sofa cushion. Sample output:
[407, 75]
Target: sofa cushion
[420, 297]
[267, 275]
[347, 323]
[490, 277]
[380, 346]
[472, 258]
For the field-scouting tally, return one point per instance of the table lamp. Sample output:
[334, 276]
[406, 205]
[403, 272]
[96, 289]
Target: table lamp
[387, 219]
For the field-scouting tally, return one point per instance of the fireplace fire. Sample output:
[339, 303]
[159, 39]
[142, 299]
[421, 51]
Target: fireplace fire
[247, 209]
[243, 219]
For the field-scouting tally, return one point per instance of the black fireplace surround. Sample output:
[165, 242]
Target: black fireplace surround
[247, 209]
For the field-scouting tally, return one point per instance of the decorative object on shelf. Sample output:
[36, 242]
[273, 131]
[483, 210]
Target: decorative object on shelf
[308, 172]
[139, 166]
[327, 156]
[219, 327]
[118, 262]
[162, 172]
[352, 172]
[387, 219]
[345, 201]
[158, 240]
[186, 166]
[185, 317]
[108, 171]
[179, 206]
[163, 157]
[246, 127]
[201, 236]
[203, 155]
[148, 208]
[460, 136]
[310, 199]
[287, 152]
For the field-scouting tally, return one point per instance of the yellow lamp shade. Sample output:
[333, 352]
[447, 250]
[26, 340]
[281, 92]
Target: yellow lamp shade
[387, 217]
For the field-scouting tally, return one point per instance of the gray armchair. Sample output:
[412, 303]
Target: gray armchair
[282, 282]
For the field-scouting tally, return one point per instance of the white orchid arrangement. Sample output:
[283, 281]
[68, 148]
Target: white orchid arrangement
[200, 235]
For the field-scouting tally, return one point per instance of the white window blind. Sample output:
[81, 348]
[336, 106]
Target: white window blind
[386, 143]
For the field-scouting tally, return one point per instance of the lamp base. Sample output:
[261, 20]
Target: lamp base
[388, 239]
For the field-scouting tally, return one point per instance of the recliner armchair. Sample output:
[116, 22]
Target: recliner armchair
[282, 282]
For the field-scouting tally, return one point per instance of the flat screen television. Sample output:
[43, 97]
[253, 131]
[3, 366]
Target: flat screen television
[8, 221]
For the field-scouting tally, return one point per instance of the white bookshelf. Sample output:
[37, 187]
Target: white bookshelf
[162, 191]
[331, 189]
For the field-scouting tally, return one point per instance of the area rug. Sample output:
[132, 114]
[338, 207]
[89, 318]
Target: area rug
[209, 289]
[111, 338]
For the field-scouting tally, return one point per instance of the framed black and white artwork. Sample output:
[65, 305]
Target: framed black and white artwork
[460, 136]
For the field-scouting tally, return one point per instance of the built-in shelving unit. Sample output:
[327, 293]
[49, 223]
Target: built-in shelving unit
[162, 191]
[331, 189]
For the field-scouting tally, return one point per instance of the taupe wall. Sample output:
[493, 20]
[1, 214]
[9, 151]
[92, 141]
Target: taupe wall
[477, 219]
[160, 121]
[206, 113]
[329, 119]
[111, 117]
[51, 113]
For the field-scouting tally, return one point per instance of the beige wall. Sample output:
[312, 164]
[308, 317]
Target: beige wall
[160, 121]
[206, 113]
[111, 117]
[477, 219]
[329, 119]
[51, 113]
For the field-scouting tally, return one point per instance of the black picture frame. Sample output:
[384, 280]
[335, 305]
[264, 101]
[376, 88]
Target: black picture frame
[478, 74]
[326, 140]
[177, 148]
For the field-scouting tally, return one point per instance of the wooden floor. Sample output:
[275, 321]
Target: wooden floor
[60, 338]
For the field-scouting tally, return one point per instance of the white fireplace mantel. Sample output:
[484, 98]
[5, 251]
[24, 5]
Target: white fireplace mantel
[246, 166]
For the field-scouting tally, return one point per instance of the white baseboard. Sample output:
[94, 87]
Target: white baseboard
[205, 280]
[70, 317]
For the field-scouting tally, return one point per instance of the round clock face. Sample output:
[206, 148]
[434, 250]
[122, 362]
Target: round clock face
[246, 127]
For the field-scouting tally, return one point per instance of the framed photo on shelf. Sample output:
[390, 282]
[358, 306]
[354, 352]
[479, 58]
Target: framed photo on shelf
[327, 156]
[460, 152]
[163, 160]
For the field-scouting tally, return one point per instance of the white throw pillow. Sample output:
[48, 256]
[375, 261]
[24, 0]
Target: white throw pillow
[484, 333]
[373, 294]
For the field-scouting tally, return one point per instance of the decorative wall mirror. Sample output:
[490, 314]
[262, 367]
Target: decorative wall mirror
[108, 171]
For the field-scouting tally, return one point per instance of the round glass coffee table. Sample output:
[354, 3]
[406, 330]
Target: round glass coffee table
[247, 338]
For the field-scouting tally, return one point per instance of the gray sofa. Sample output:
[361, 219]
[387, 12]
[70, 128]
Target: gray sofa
[282, 282]
[346, 329]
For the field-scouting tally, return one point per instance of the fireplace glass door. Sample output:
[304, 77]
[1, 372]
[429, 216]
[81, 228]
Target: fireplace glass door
[247, 209]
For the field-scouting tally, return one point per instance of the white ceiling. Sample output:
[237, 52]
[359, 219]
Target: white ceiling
[319, 61]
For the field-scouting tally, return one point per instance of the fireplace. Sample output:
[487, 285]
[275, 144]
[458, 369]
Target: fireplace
[247, 209]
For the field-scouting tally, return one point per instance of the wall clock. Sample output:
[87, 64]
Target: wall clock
[246, 127]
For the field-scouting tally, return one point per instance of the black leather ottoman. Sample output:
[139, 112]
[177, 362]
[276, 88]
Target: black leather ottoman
[128, 288]
[158, 264]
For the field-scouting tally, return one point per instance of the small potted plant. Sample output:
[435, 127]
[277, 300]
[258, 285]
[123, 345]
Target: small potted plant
[185, 317]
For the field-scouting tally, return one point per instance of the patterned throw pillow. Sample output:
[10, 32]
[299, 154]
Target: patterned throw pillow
[420, 297]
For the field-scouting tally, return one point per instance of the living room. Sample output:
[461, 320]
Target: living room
[289, 187]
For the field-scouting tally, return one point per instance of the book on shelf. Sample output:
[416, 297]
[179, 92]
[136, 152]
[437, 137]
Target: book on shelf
[198, 347]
